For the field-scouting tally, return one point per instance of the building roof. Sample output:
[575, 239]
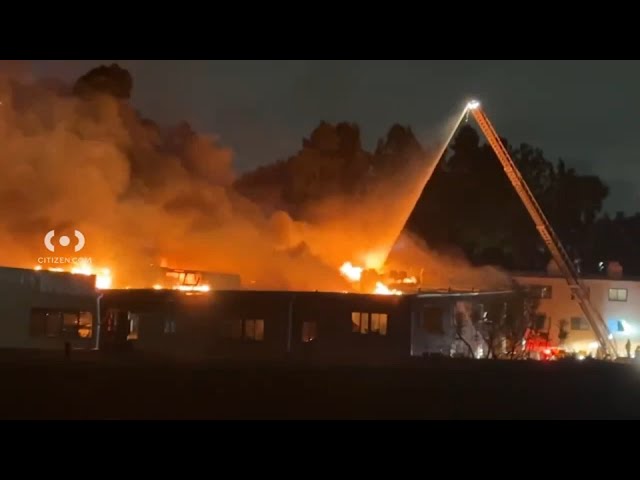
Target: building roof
[48, 281]
[603, 277]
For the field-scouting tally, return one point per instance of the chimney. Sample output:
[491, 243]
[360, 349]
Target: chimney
[614, 269]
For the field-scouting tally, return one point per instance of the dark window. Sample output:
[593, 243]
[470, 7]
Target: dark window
[617, 294]
[239, 329]
[235, 330]
[432, 320]
[539, 321]
[579, 323]
[169, 326]
[134, 326]
[309, 331]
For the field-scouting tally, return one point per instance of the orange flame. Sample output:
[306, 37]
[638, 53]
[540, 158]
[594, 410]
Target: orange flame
[382, 289]
[103, 275]
[351, 272]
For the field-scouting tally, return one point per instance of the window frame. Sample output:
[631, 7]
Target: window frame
[366, 327]
[616, 297]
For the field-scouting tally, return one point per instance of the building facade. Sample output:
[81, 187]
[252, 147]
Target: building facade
[46, 310]
[314, 326]
[616, 298]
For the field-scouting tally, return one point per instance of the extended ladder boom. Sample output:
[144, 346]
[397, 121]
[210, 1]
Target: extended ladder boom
[543, 226]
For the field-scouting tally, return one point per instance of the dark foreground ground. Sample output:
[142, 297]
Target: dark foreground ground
[94, 388]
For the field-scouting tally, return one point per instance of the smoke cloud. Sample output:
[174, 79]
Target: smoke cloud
[141, 193]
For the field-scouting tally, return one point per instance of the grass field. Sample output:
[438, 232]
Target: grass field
[43, 387]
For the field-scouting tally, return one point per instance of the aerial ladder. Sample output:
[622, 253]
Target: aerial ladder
[560, 256]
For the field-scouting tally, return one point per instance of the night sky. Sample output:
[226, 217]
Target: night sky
[583, 111]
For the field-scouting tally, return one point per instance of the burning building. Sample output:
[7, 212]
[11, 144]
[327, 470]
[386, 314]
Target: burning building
[275, 325]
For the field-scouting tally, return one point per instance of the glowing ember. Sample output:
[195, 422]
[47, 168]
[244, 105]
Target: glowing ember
[192, 288]
[351, 272]
[410, 280]
[157, 287]
[382, 289]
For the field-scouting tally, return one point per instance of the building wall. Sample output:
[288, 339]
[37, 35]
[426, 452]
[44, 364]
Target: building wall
[22, 291]
[437, 318]
[433, 330]
[268, 325]
[623, 317]
[313, 326]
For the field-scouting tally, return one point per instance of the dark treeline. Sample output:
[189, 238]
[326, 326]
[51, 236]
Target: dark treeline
[468, 203]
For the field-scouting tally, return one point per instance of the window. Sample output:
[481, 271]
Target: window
[134, 324]
[169, 326]
[238, 329]
[539, 321]
[360, 322]
[85, 324]
[254, 330]
[432, 320]
[588, 290]
[48, 323]
[541, 291]
[52, 324]
[615, 325]
[235, 331]
[617, 294]
[309, 331]
[579, 323]
[379, 323]
[365, 322]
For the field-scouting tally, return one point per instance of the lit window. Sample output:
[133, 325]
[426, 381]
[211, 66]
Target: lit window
[615, 325]
[364, 322]
[355, 322]
[254, 330]
[379, 323]
[617, 294]
[47, 323]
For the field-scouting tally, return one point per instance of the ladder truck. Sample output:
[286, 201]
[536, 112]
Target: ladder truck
[560, 256]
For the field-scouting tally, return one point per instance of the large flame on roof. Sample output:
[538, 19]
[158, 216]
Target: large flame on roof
[354, 275]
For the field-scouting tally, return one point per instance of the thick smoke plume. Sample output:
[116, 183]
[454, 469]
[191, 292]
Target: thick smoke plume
[73, 158]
